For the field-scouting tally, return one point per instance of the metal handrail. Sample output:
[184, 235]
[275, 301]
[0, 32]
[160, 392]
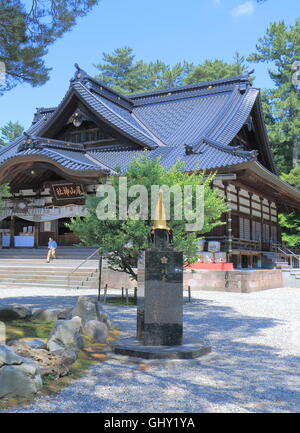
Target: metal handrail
[288, 252]
[82, 263]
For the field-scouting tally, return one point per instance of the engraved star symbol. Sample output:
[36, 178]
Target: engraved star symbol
[164, 260]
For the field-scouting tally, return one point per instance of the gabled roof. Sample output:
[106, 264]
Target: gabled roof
[205, 117]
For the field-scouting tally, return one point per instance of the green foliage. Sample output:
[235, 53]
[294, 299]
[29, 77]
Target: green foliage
[280, 47]
[4, 193]
[216, 69]
[293, 177]
[26, 31]
[9, 132]
[290, 222]
[123, 239]
[122, 73]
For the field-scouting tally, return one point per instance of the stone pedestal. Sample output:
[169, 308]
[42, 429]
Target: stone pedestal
[160, 297]
[160, 311]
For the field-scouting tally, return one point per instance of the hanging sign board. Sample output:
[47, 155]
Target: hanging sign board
[65, 191]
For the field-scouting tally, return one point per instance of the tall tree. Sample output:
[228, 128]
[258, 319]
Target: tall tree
[124, 238]
[280, 47]
[4, 193]
[9, 132]
[27, 28]
[216, 69]
[290, 222]
[120, 71]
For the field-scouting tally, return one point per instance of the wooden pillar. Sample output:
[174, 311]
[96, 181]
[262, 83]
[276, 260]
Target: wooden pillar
[238, 210]
[278, 228]
[250, 263]
[261, 219]
[12, 231]
[229, 222]
[251, 215]
[270, 225]
[239, 263]
[55, 229]
[36, 234]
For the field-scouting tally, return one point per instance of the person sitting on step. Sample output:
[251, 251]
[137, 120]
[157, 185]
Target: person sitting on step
[52, 245]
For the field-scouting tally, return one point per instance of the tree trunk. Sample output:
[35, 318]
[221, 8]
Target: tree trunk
[295, 152]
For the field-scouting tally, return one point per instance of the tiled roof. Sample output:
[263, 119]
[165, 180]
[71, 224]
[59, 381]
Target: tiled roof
[206, 116]
[115, 115]
[209, 157]
[70, 159]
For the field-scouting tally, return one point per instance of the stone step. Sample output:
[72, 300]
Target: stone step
[19, 255]
[44, 273]
[48, 285]
[63, 280]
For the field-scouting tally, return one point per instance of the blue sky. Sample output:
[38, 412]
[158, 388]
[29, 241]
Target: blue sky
[168, 30]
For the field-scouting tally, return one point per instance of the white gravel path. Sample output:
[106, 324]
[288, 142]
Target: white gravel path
[254, 366]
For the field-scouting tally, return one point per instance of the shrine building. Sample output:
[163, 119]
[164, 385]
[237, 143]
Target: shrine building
[217, 126]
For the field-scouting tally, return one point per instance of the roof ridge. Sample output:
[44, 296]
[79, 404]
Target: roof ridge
[229, 149]
[235, 79]
[82, 76]
[222, 112]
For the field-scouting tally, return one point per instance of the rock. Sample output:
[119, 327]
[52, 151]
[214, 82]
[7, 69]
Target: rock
[19, 347]
[89, 309]
[8, 356]
[66, 313]
[14, 312]
[49, 362]
[67, 357]
[36, 344]
[19, 376]
[47, 314]
[65, 335]
[96, 330]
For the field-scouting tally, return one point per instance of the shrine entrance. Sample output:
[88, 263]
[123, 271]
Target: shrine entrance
[44, 197]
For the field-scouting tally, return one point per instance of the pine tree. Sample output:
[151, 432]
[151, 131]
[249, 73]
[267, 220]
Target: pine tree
[280, 47]
[290, 222]
[124, 238]
[217, 69]
[121, 72]
[9, 132]
[26, 31]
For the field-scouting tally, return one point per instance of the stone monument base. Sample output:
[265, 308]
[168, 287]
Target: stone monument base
[189, 349]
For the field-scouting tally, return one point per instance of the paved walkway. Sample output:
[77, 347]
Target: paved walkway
[254, 366]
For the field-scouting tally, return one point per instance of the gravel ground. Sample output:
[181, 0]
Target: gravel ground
[254, 365]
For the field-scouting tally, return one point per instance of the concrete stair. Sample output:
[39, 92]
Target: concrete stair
[270, 261]
[291, 278]
[29, 269]
[76, 253]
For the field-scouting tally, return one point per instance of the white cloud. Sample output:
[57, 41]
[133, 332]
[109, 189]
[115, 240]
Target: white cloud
[246, 8]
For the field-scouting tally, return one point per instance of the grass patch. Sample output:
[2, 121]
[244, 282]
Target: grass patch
[118, 300]
[91, 354]
[28, 329]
